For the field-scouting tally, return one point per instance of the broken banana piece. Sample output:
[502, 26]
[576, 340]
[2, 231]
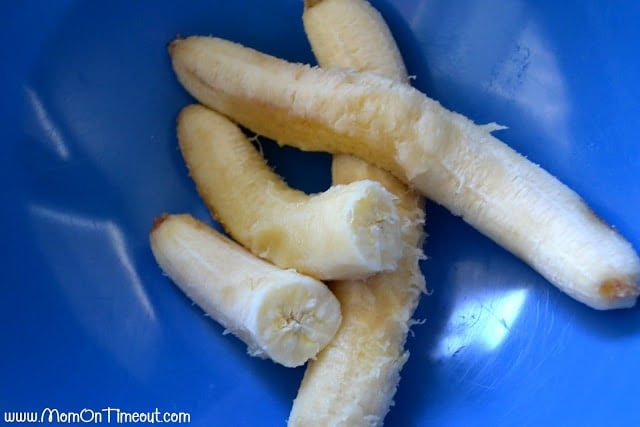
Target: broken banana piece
[348, 231]
[280, 314]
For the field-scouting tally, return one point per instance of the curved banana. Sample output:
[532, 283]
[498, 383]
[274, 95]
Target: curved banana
[442, 154]
[350, 230]
[352, 381]
[279, 314]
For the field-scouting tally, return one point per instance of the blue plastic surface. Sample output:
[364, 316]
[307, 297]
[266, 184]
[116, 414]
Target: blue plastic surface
[89, 157]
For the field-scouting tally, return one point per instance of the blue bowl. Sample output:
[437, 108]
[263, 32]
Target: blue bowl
[89, 157]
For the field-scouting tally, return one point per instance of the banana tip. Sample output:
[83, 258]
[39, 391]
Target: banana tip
[159, 220]
[172, 44]
[310, 3]
[619, 289]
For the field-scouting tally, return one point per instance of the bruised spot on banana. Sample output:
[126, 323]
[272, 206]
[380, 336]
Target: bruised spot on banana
[442, 154]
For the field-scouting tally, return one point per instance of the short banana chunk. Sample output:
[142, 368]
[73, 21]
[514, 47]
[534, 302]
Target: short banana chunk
[442, 154]
[279, 314]
[352, 381]
[350, 230]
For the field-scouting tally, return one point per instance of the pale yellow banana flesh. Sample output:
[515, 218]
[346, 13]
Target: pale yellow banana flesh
[352, 34]
[280, 314]
[349, 231]
[442, 154]
[353, 379]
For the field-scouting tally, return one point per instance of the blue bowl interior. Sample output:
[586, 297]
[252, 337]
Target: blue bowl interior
[89, 157]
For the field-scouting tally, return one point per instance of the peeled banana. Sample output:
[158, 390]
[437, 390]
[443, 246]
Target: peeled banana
[280, 314]
[352, 381]
[442, 154]
[349, 231]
